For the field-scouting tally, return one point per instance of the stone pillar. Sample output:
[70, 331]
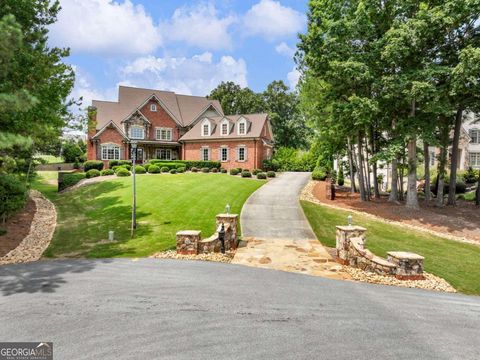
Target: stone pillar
[231, 234]
[344, 234]
[187, 242]
[328, 188]
[409, 265]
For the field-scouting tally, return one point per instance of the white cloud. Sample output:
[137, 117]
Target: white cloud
[200, 26]
[197, 75]
[272, 20]
[85, 90]
[105, 27]
[293, 78]
[286, 50]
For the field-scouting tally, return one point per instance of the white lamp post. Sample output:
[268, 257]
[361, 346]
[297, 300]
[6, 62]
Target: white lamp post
[134, 208]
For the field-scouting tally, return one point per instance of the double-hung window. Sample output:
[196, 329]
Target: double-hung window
[164, 154]
[164, 134]
[241, 128]
[205, 154]
[475, 136]
[224, 154]
[206, 130]
[137, 132]
[224, 128]
[475, 160]
[242, 153]
[110, 152]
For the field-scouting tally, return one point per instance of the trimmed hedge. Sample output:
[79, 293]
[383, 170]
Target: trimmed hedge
[246, 174]
[92, 173]
[164, 169]
[223, 171]
[319, 174]
[153, 169]
[256, 171]
[139, 169]
[181, 170]
[146, 166]
[205, 170]
[261, 176]
[122, 172]
[271, 174]
[107, 172]
[194, 169]
[234, 171]
[66, 180]
[173, 171]
[174, 164]
[13, 195]
[214, 170]
[92, 164]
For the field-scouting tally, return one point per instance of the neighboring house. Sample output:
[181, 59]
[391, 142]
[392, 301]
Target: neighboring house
[168, 126]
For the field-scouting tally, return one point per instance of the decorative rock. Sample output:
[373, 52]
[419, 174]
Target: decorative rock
[187, 242]
[409, 266]
[230, 222]
[217, 257]
[344, 234]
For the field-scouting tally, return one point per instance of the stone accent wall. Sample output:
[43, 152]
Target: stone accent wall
[187, 242]
[350, 247]
[230, 221]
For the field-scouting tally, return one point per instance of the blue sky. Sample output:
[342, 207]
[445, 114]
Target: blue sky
[184, 46]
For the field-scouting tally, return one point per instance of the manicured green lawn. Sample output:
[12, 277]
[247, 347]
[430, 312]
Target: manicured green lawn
[166, 204]
[458, 263]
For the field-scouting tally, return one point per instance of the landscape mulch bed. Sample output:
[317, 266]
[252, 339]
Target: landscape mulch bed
[17, 227]
[462, 220]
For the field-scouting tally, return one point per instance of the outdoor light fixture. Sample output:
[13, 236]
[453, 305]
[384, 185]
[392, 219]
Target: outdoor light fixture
[350, 220]
[227, 209]
[221, 237]
[133, 144]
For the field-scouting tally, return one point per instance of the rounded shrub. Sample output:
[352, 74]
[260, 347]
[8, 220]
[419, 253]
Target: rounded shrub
[107, 172]
[153, 169]
[256, 171]
[205, 170]
[319, 174]
[165, 169]
[246, 174]
[92, 164]
[146, 166]
[239, 170]
[13, 194]
[122, 172]
[113, 163]
[181, 170]
[261, 176]
[139, 169]
[173, 171]
[460, 187]
[223, 171]
[214, 170]
[194, 169]
[271, 174]
[234, 171]
[92, 173]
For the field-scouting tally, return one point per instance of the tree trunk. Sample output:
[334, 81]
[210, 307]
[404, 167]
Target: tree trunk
[412, 198]
[401, 181]
[477, 193]
[454, 164]
[442, 162]
[367, 171]
[426, 155]
[361, 178]
[350, 163]
[394, 182]
[373, 144]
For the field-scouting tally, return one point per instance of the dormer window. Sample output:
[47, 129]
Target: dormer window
[153, 107]
[242, 127]
[206, 128]
[224, 128]
[137, 132]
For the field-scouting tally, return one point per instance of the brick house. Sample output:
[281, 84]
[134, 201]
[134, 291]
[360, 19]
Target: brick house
[169, 126]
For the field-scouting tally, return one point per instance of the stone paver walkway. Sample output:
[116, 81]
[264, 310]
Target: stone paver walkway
[279, 236]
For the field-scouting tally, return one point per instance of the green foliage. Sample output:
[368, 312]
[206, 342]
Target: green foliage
[205, 170]
[71, 151]
[93, 164]
[194, 169]
[175, 164]
[181, 170]
[246, 174]
[234, 171]
[122, 172]
[154, 169]
[471, 176]
[66, 180]
[214, 170]
[256, 171]
[107, 172]
[13, 195]
[139, 169]
[113, 163]
[271, 174]
[146, 166]
[319, 174]
[269, 165]
[92, 173]
[289, 159]
[173, 171]
[341, 178]
[223, 171]
[261, 175]
[165, 169]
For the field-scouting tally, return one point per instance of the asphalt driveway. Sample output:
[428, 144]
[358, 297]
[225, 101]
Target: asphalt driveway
[166, 309]
[274, 211]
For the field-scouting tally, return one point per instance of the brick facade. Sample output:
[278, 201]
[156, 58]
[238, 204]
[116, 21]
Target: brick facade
[159, 119]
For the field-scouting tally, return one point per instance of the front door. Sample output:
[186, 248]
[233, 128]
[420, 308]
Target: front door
[139, 156]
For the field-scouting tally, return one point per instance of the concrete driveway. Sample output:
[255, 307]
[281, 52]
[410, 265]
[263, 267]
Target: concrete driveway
[274, 212]
[166, 309]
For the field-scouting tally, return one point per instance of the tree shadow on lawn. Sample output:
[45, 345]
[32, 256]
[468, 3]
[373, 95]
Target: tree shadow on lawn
[41, 276]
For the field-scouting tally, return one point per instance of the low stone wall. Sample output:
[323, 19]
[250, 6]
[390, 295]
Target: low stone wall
[350, 247]
[190, 242]
[55, 167]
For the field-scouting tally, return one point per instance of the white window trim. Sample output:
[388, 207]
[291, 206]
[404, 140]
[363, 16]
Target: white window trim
[224, 122]
[477, 155]
[478, 136]
[220, 157]
[244, 153]
[158, 152]
[116, 155]
[158, 131]
[153, 107]
[206, 122]
[137, 127]
[242, 121]
[202, 153]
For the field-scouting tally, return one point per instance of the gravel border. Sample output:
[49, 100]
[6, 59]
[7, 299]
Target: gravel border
[307, 195]
[41, 232]
[216, 257]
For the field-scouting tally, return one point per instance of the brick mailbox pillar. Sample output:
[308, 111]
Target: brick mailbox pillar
[187, 242]
[409, 265]
[230, 222]
[344, 234]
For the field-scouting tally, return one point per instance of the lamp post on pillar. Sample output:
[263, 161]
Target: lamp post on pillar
[134, 207]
